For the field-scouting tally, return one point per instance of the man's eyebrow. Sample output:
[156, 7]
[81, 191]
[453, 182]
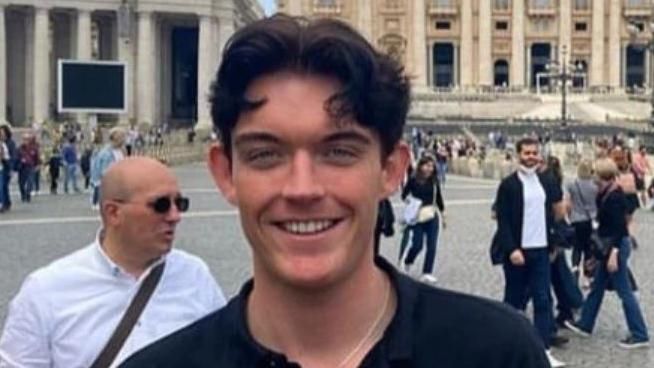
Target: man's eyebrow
[255, 137]
[348, 135]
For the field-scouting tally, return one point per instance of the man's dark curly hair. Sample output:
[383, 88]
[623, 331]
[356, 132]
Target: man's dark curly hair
[375, 92]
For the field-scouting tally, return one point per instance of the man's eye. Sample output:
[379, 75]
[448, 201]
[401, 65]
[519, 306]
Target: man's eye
[262, 157]
[341, 155]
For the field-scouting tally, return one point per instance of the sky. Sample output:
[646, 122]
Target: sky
[268, 6]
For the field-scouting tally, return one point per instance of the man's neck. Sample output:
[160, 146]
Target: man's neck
[323, 329]
[131, 265]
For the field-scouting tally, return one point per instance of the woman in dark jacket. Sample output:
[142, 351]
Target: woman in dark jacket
[424, 186]
[612, 214]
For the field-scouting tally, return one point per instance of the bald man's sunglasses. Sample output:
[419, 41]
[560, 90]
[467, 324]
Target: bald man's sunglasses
[162, 205]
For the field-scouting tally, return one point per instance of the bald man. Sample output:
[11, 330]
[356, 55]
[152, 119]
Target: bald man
[65, 313]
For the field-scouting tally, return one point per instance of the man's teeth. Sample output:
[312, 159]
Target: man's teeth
[307, 227]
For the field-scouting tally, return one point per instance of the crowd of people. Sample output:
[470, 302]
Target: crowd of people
[310, 156]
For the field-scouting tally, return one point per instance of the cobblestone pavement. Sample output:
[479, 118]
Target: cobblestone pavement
[33, 235]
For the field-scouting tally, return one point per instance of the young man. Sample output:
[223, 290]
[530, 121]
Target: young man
[65, 312]
[527, 204]
[310, 117]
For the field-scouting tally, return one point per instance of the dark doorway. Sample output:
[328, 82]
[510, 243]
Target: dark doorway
[581, 68]
[185, 73]
[635, 67]
[443, 64]
[501, 73]
[540, 56]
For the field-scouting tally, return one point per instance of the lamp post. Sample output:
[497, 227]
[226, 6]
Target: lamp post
[558, 70]
[634, 31]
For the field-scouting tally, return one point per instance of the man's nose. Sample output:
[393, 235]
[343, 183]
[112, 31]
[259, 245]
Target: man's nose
[302, 182]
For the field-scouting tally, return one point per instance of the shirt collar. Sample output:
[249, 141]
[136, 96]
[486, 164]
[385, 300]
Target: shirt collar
[396, 345]
[111, 267]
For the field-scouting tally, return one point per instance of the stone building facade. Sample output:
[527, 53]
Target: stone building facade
[171, 48]
[486, 44]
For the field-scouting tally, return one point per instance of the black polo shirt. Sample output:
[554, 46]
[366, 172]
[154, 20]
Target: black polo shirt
[431, 328]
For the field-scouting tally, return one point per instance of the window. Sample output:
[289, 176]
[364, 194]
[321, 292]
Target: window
[442, 25]
[326, 2]
[501, 4]
[637, 3]
[581, 27]
[442, 3]
[582, 4]
[502, 26]
[640, 26]
[541, 4]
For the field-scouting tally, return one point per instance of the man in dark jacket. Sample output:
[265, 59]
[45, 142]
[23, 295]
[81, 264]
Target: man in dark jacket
[527, 204]
[10, 164]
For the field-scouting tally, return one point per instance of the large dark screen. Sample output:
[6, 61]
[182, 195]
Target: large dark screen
[92, 86]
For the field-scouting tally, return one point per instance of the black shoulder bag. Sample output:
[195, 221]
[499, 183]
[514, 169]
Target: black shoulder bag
[127, 322]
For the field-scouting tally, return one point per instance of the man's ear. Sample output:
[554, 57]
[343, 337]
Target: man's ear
[221, 171]
[394, 168]
[109, 213]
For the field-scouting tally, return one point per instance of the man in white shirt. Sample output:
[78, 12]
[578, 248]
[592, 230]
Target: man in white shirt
[65, 313]
[527, 204]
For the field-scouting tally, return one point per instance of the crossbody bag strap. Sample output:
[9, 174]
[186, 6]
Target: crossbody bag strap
[127, 322]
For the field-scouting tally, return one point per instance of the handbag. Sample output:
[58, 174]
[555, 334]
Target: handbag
[411, 210]
[127, 322]
[426, 213]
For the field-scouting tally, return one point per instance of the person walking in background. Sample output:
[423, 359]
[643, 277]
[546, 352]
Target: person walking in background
[28, 160]
[85, 165]
[107, 156]
[527, 205]
[69, 155]
[424, 186]
[582, 212]
[4, 155]
[54, 166]
[10, 163]
[612, 212]
[641, 168]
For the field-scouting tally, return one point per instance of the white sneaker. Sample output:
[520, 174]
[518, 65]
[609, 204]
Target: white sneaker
[554, 363]
[95, 207]
[428, 278]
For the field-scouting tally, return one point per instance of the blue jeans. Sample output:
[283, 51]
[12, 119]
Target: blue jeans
[403, 243]
[71, 177]
[620, 279]
[531, 278]
[428, 229]
[25, 182]
[2, 188]
[95, 195]
[568, 295]
[6, 180]
[441, 171]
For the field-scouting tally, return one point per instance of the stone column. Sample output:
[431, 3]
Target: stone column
[83, 46]
[597, 54]
[126, 40]
[145, 69]
[41, 65]
[419, 45]
[614, 44]
[206, 62]
[364, 21]
[83, 34]
[565, 25]
[466, 44]
[3, 67]
[518, 44]
[485, 47]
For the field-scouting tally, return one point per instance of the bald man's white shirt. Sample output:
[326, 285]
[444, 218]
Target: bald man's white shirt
[65, 313]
